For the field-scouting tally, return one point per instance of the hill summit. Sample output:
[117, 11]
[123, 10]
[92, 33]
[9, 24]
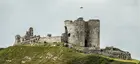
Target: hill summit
[53, 55]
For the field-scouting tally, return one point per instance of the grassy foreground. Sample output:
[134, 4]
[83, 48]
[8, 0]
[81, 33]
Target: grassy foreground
[53, 55]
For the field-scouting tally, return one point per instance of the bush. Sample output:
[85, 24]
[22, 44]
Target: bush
[1, 49]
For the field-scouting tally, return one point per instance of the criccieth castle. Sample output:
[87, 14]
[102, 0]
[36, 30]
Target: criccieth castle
[85, 34]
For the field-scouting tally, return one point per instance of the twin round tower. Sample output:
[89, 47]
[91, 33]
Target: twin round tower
[82, 33]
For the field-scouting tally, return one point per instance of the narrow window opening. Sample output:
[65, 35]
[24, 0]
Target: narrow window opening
[69, 35]
[66, 30]
[86, 44]
[45, 42]
[98, 34]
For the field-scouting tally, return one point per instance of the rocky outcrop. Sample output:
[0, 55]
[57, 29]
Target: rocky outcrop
[111, 52]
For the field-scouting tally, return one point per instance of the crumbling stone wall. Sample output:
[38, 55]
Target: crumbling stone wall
[111, 52]
[29, 38]
[108, 51]
[50, 39]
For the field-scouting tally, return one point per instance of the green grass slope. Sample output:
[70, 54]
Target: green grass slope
[53, 55]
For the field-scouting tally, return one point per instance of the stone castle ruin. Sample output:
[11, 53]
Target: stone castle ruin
[30, 38]
[81, 33]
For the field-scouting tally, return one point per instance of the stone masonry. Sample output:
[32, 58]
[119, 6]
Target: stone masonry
[80, 33]
[30, 38]
[83, 33]
[112, 52]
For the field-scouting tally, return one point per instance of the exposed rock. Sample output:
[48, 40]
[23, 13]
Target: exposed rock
[111, 52]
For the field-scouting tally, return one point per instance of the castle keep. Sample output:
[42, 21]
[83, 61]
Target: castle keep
[82, 33]
[79, 33]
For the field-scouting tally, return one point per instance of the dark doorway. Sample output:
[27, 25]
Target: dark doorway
[69, 35]
[45, 42]
[86, 44]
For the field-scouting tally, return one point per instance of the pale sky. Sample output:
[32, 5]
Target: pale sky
[119, 19]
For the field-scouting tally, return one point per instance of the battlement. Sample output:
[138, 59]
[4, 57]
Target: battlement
[80, 19]
[68, 21]
[94, 20]
[50, 39]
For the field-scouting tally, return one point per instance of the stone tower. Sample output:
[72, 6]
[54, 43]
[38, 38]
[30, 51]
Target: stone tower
[83, 33]
[29, 34]
[93, 33]
[31, 31]
[49, 35]
[17, 39]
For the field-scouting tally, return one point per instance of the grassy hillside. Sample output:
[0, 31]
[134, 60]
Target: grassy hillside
[53, 55]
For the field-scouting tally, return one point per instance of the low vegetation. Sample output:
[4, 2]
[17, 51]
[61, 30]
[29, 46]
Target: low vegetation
[1, 49]
[53, 55]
